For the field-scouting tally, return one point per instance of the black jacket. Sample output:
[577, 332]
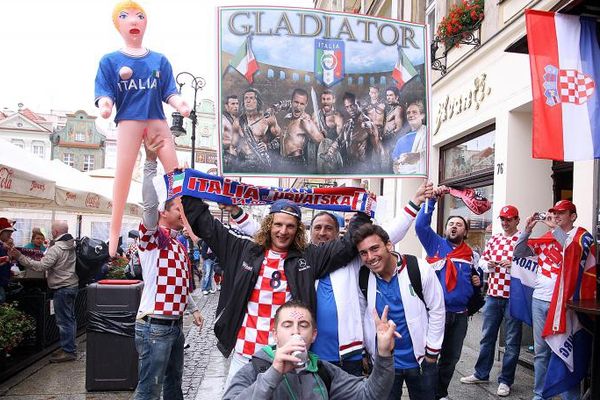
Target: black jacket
[241, 260]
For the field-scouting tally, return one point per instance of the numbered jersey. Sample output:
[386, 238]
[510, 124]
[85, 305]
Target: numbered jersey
[270, 292]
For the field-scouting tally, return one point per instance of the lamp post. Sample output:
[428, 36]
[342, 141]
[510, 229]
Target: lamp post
[196, 83]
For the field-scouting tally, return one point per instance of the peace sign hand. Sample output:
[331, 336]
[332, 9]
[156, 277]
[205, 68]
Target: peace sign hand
[386, 333]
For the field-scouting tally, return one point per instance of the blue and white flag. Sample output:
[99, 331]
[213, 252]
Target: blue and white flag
[523, 272]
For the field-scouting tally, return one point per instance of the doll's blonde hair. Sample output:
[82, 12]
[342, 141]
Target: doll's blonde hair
[124, 5]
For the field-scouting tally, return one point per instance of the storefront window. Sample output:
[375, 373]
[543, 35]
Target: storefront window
[480, 226]
[474, 156]
[469, 162]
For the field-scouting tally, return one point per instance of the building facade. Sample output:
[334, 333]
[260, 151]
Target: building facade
[27, 130]
[480, 118]
[79, 144]
[207, 138]
[481, 131]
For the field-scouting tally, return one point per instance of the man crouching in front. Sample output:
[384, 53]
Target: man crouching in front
[289, 370]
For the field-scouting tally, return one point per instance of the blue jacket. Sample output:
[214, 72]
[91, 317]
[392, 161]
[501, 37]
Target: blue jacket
[434, 244]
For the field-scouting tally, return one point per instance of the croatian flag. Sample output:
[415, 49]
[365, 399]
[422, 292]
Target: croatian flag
[564, 332]
[523, 273]
[571, 344]
[565, 72]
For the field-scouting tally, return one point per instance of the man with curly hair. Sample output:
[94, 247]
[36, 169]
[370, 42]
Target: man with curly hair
[262, 274]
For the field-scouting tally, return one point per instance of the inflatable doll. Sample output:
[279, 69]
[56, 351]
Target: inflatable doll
[136, 81]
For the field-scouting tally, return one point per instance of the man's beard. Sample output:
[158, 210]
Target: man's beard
[456, 240]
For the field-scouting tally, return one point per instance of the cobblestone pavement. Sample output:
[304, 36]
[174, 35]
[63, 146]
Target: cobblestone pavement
[200, 356]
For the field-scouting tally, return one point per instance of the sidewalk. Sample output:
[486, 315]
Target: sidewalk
[206, 369]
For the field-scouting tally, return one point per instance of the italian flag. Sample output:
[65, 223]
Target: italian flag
[403, 71]
[244, 61]
[178, 183]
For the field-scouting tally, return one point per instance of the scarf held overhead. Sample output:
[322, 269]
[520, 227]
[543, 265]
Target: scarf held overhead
[190, 182]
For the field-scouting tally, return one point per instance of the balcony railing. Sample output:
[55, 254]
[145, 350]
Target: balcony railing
[445, 44]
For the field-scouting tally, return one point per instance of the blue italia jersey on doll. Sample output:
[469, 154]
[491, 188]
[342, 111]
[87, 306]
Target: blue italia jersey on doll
[140, 97]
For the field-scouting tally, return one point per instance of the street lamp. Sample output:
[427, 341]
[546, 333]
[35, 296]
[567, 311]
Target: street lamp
[196, 83]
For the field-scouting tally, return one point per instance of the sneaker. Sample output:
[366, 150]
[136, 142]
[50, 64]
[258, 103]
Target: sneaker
[212, 291]
[503, 390]
[472, 379]
[444, 398]
[63, 356]
[205, 292]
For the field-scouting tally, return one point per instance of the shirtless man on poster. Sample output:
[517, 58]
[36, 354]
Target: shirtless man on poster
[300, 128]
[330, 122]
[376, 109]
[228, 139]
[361, 140]
[259, 134]
[394, 117]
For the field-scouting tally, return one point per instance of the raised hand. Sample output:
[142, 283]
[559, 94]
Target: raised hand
[284, 362]
[151, 146]
[425, 191]
[386, 333]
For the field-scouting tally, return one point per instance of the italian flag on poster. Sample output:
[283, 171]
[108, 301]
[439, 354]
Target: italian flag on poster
[404, 71]
[244, 61]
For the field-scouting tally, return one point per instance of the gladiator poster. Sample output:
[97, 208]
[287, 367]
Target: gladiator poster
[310, 93]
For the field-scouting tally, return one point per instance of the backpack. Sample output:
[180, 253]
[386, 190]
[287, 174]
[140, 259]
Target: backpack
[414, 275]
[261, 366]
[90, 255]
[477, 300]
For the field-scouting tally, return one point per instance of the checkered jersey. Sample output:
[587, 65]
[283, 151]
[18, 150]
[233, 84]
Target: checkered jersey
[549, 259]
[166, 273]
[270, 292]
[574, 86]
[499, 248]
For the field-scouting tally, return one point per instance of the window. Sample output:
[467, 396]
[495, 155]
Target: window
[88, 162]
[37, 148]
[18, 143]
[470, 157]
[69, 159]
[430, 19]
[79, 136]
[469, 162]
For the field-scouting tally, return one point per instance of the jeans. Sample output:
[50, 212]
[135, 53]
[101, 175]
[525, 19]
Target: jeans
[419, 381]
[64, 310]
[2, 295]
[160, 361]
[496, 309]
[454, 335]
[237, 362]
[208, 269]
[539, 311]
[353, 367]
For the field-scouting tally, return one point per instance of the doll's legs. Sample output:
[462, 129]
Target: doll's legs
[129, 140]
[166, 154]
